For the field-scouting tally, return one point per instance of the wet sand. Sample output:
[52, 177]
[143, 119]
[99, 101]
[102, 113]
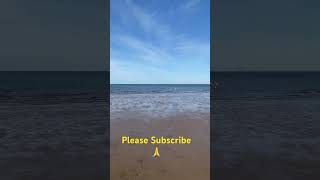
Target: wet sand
[185, 162]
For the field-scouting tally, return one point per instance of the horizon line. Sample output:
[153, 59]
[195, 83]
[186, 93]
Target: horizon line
[159, 83]
[110, 71]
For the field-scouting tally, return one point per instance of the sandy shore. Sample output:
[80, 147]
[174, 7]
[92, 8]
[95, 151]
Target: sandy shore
[175, 162]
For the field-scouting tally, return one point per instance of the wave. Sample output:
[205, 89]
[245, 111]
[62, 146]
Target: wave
[249, 93]
[159, 104]
[38, 97]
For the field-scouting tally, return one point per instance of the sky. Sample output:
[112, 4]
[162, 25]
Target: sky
[160, 42]
[266, 35]
[169, 38]
[53, 35]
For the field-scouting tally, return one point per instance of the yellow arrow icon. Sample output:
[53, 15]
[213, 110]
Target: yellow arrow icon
[156, 153]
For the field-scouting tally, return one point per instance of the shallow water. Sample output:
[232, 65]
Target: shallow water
[53, 125]
[266, 126]
[159, 100]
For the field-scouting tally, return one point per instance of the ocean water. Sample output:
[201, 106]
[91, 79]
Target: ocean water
[161, 100]
[266, 125]
[53, 125]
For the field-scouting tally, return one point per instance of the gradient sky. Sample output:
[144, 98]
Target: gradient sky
[160, 42]
[53, 35]
[266, 35]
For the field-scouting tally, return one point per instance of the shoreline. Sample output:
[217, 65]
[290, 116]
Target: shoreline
[176, 161]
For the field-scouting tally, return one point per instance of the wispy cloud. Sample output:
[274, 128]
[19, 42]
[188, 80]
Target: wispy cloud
[191, 3]
[143, 39]
[145, 20]
[141, 49]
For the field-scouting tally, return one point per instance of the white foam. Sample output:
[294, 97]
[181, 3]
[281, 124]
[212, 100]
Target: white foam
[159, 104]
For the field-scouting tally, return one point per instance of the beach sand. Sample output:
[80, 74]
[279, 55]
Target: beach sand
[181, 161]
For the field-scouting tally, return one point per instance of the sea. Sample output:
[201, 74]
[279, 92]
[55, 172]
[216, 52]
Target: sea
[159, 100]
[265, 125]
[54, 125]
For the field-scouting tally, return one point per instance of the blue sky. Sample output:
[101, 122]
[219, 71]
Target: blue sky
[160, 42]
